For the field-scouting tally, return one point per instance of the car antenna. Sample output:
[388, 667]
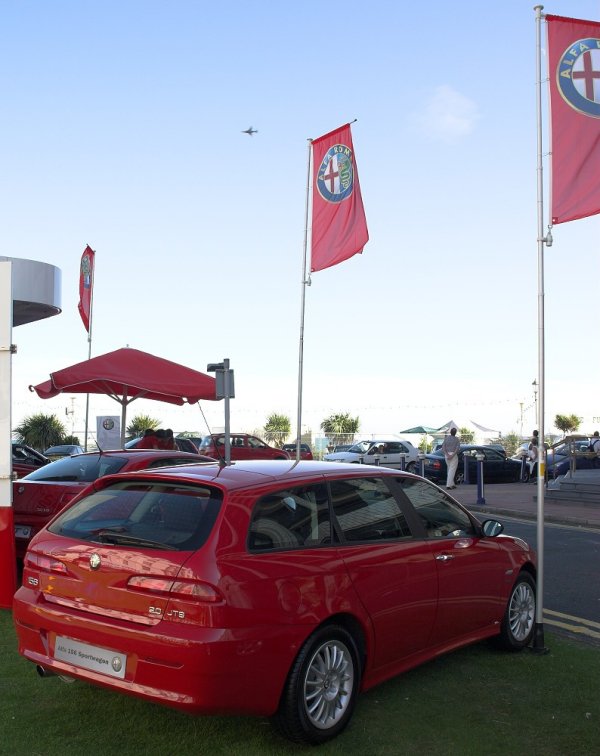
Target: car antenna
[100, 449]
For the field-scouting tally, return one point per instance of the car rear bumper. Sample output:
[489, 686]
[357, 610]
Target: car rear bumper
[197, 669]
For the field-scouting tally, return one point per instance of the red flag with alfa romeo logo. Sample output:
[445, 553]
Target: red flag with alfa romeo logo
[86, 286]
[574, 73]
[339, 226]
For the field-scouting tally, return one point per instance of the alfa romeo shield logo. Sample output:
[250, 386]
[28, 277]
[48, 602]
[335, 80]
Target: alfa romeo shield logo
[578, 76]
[335, 177]
[108, 424]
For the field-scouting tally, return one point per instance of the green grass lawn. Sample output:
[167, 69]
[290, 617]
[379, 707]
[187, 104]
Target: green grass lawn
[476, 701]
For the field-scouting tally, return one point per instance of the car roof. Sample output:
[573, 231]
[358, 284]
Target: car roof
[257, 472]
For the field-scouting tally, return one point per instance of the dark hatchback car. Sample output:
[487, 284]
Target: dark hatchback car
[44, 492]
[497, 467]
[266, 587]
[183, 444]
[25, 459]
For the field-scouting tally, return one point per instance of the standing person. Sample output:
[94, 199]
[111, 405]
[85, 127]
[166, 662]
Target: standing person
[450, 448]
[532, 455]
[595, 448]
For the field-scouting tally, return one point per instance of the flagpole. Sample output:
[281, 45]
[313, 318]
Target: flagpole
[87, 396]
[305, 283]
[538, 640]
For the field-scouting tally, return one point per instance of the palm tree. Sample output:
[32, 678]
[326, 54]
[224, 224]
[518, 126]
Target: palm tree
[139, 424]
[340, 428]
[277, 428]
[567, 423]
[41, 431]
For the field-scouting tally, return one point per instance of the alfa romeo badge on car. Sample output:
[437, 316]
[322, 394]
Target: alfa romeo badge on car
[95, 561]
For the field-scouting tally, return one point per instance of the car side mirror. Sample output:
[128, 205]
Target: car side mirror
[492, 528]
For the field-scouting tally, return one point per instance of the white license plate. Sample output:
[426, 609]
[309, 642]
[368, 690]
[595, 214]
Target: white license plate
[22, 531]
[90, 657]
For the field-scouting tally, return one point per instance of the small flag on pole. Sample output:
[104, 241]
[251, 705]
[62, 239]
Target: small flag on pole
[574, 74]
[86, 284]
[339, 226]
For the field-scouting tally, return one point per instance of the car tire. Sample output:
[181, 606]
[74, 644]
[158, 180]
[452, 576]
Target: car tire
[411, 467]
[518, 623]
[459, 478]
[321, 689]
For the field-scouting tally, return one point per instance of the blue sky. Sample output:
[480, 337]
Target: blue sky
[122, 128]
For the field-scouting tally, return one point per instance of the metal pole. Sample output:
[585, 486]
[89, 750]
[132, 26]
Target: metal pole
[226, 381]
[538, 641]
[8, 571]
[480, 483]
[305, 283]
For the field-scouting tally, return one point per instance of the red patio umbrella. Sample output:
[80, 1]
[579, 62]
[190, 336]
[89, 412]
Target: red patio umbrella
[128, 374]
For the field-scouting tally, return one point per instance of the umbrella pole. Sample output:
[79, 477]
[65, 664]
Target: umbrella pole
[123, 414]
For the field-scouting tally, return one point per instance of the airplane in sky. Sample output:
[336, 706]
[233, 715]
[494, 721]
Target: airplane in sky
[250, 131]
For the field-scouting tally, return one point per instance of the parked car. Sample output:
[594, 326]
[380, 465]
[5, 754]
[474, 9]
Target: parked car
[183, 444]
[243, 446]
[386, 452]
[497, 467]
[558, 457]
[584, 460]
[196, 440]
[43, 493]
[63, 450]
[26, 459]
[305, 452]
[265, 588]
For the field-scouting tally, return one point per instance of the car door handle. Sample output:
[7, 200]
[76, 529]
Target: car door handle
[444, 557]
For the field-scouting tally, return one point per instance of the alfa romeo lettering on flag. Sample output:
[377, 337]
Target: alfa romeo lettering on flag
[574, 75]
[339, 227]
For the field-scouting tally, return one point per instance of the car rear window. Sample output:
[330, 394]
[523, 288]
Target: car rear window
[146, 515]
[84, 468]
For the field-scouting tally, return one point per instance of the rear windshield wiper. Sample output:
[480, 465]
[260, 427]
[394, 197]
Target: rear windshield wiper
[126, 539]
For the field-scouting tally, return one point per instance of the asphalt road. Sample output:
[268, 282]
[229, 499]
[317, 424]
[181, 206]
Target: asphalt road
[571, 586]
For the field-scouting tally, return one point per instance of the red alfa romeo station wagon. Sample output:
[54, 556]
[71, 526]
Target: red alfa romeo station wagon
[268, 587]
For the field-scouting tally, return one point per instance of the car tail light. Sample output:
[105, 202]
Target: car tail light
[436, 465]
[194, 590]
[44, 563]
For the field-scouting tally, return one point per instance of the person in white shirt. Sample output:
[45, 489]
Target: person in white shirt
[450, 448]
[595, 448]
[532, 455]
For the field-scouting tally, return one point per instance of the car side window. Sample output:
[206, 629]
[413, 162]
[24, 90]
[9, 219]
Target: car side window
[290, 519]
[366, 510]
[441, 517]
